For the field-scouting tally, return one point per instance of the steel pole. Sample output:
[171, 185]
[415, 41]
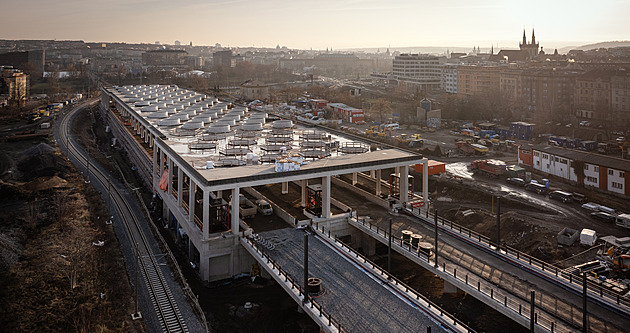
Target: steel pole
[584, 314]
[436, 238]
[389, 249]
[531, 312]
[498, 224]
[305, 299]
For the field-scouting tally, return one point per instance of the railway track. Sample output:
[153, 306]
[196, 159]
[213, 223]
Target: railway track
[165, 306]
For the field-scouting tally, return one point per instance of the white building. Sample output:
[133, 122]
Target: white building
[449, 79]
[601, 172]
[420, 71]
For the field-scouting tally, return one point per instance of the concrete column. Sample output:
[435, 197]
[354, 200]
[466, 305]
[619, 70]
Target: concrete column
[190, 249]
[373, 173]
[304, 183]
[378, 182]
[449, 288]
[404, 184]
[235, 212]
[354, 178]
[180, 189]
[160, 162]
[397, 171]
[204, 268]
[425, 184]
[326, 190]
[206, 214]
[220, 194]
[368, 244]
[285, 187]
[155, 160]
[170, 176]
[191, 201]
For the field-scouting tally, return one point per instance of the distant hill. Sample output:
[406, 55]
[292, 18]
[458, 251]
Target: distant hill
[603, 45]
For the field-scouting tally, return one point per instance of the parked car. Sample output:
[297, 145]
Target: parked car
[535, 187]
[516, 181]
[603, 216]
[264, 207]
[561, 196]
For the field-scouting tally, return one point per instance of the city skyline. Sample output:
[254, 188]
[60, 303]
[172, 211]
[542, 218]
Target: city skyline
[319, 25]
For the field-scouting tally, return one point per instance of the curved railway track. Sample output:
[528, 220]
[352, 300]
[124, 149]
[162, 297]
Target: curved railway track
[166, 309]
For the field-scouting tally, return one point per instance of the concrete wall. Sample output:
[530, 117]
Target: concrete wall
[281, 213]
[364, 194]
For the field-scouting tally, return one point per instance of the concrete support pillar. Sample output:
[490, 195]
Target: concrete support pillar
[378, 182]
[180, 187]
[160, 162]
[373, 173]
[155, 160]
[204, 268]
[397, 171]
[190, 249]
[235, 212]
[170, 176]
[206, 214]
[368, 245]
[354, 178]
[326, 190]
[449, 288]
[285, 187]
[425, 184]
[304, 183]
[404, 184]
[220, 194]
[191, 201]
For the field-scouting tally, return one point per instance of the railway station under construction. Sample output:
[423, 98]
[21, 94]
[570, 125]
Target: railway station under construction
[199, 155]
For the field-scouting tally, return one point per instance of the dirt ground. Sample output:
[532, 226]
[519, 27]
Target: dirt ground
[54, 278]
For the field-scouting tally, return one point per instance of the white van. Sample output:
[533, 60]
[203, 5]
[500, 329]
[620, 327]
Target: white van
[392, 126]
[264, 207]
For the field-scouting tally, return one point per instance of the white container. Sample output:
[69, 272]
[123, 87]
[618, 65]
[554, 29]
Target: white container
[209, 165]
[588, 237]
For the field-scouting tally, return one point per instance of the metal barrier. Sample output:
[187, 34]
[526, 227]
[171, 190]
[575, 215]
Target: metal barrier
[501, 298]
[396, 281]
[525, 259]
[295, 285]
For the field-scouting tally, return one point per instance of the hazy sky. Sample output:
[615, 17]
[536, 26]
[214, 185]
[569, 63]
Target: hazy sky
[319, 24]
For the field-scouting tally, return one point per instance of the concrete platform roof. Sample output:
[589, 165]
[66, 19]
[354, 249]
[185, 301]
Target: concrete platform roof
[226, 143]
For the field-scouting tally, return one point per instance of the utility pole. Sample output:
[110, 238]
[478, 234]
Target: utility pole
[305, 299]
[584, 313]
[498, 224]
[389, 249]
[137, 314]
[532, 312]
[436, 239]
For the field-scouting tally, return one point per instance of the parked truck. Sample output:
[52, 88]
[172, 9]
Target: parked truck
[623, 220]
[465, 148]
[489, 167]
[246, 208]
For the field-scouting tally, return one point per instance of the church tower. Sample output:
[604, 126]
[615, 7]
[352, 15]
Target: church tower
[530, 48]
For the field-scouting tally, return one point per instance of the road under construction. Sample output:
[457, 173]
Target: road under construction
[199, 155]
